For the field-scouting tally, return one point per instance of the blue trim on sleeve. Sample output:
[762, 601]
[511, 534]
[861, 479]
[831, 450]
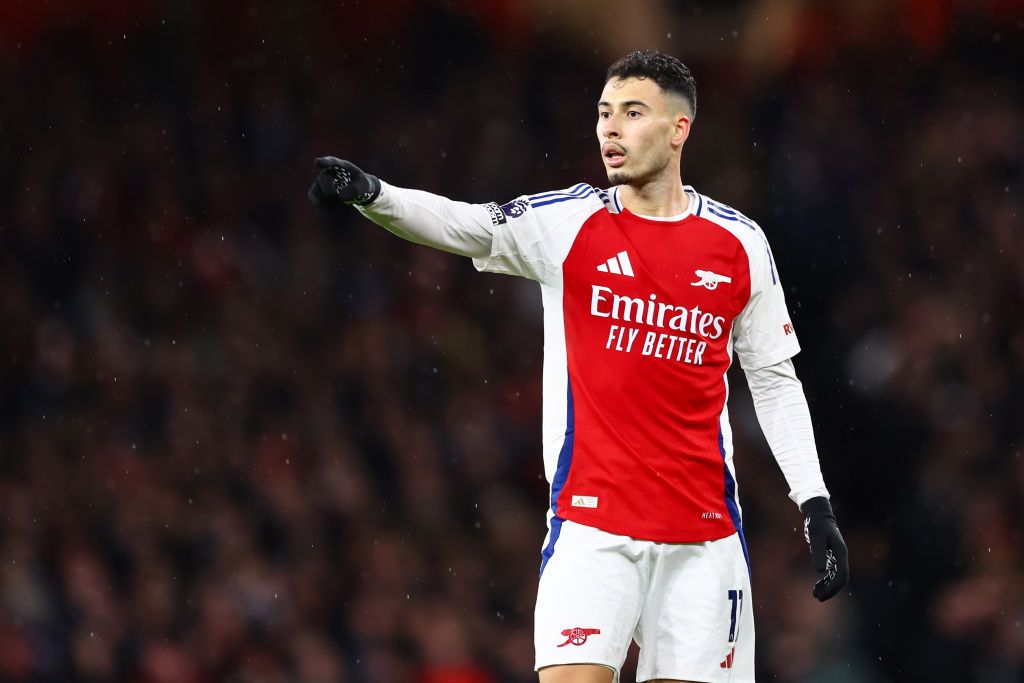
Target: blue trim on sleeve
[730, 214]
[771, 262]
[557, 200]
[718, 211]
[573, 191]
[722, 207]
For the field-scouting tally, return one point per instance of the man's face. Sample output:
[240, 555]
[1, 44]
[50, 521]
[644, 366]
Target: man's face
[640, 127]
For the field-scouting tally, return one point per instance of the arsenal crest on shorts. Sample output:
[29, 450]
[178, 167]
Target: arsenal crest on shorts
[578, 636]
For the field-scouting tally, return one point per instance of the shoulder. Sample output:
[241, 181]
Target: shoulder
[746, 231]
[577, 196]
[723, 215]
[579, 199]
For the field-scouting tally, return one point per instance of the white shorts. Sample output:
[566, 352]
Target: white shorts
[687, 605]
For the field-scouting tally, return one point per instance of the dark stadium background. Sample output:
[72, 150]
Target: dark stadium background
[242, 441]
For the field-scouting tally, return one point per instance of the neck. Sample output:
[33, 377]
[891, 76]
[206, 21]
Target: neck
[659, 197]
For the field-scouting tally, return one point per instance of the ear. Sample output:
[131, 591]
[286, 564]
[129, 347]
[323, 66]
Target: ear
[680, 129]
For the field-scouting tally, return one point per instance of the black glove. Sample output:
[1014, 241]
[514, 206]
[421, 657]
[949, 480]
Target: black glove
[828, 549]
[342, 182]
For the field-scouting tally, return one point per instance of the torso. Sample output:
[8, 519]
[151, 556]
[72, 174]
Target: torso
[647, 355]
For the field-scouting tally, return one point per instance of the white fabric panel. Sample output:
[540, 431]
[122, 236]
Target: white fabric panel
[539, 231]
[432, 220]
[763, 331]
[784, 417]
[556, 375]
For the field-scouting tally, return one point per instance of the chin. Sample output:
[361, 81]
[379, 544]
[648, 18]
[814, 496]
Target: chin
[619, 177]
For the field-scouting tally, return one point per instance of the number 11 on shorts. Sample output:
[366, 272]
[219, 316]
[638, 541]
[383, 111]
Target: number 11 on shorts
[736, 598]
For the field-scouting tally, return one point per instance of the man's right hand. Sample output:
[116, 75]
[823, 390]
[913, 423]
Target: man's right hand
[342, 182]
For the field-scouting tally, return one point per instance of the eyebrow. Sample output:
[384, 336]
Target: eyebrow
[627, 103]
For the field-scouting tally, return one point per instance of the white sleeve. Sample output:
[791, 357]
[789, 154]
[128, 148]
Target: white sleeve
[528, 236]
[785, 419]
[535, 232]
[763, 333]
[433, 220]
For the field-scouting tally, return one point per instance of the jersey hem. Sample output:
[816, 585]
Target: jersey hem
[676, 535]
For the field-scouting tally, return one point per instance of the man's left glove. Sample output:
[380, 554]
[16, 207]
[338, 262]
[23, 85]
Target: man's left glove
[828, 549]
[342, 182]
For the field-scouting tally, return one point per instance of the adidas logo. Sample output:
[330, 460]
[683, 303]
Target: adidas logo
[618, 264]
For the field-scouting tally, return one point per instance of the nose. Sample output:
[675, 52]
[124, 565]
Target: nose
[609, 128]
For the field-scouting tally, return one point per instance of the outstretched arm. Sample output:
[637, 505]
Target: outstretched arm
[420, 217]
[786, 421]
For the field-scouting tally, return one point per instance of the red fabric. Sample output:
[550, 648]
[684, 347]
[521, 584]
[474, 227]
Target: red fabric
[646, 429]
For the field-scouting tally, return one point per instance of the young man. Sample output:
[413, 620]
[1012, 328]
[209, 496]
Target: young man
[648, 288]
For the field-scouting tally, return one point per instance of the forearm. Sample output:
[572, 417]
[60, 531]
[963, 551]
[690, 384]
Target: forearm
[432, 220]
[785, 419]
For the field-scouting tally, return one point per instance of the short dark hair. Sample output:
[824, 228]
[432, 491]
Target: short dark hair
[669, 73]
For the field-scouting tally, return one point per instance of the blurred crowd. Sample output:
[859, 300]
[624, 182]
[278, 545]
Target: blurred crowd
[242, 440]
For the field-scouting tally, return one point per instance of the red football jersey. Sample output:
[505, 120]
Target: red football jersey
[641, 317]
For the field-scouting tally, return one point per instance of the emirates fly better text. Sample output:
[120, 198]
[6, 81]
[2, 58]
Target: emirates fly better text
[604, 303]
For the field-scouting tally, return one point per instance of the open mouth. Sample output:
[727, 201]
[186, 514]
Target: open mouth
[614, 156]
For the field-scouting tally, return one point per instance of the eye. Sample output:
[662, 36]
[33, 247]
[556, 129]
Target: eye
[603, 114]
[633, 114]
